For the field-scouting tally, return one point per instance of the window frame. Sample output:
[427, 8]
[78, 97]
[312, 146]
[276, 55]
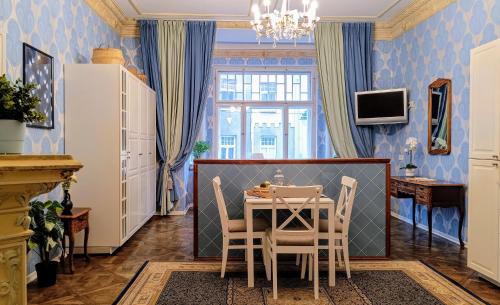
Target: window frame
[285, 105]
[228, 146]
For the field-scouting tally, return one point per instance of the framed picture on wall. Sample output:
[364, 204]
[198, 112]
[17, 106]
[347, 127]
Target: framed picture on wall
[38, 68]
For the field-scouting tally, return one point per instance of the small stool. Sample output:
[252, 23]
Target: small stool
[73, 224]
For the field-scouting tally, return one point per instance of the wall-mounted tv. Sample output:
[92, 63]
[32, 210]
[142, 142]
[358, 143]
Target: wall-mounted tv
[382, 107]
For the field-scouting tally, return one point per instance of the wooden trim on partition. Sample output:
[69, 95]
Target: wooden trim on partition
[195, 210]
[388, 209]
[387, 163]
[297, 161]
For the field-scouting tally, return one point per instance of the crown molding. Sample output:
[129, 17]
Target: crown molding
[416, 12]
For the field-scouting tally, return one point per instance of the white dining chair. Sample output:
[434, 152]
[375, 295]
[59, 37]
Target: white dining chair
[235, 229]
[285, 238]
[342, 221]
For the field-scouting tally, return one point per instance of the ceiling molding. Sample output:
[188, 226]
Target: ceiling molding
[416, 12]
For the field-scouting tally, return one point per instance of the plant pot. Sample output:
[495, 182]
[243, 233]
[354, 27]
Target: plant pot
[410, 172]
[46, 273]
[12, 136]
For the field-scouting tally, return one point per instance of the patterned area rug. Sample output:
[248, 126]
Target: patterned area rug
[372, 282]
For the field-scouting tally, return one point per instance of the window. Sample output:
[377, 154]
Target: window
[227, 147]
[267, 114]
[268, 146]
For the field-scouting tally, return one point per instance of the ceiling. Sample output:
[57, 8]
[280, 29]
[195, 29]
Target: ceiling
[233, 10]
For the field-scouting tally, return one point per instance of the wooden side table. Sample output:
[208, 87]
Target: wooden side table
[73, 224]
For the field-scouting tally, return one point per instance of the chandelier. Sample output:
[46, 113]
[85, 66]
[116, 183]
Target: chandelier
[285, 24]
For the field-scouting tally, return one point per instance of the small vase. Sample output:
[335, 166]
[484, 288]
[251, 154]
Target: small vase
[410, 172]
[67, 204]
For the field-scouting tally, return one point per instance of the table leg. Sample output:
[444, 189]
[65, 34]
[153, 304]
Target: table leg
[429, 222]
[85, 243]
[250, 265]
[331, 246]
[71, 248]
[414, 212]
[63, 244]
[461, 210]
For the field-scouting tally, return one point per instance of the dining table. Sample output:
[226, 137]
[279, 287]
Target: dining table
[253, 203]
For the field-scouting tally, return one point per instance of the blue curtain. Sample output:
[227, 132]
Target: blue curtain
[149, 50]
[358, 48]
[200, 40]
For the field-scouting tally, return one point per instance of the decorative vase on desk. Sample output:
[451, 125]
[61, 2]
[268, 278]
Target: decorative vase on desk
[67, 203]
[410, 168]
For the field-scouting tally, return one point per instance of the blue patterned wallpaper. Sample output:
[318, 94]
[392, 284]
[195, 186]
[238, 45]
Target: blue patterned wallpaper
[68, 30]
[437, 48]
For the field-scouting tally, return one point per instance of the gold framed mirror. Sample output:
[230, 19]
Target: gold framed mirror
[439, 131]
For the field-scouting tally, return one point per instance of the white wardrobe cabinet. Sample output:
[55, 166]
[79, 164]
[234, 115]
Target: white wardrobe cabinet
[110, 125]
[483, 254]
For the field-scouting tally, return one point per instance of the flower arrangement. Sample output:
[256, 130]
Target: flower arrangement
[66, 185]
[411, 148]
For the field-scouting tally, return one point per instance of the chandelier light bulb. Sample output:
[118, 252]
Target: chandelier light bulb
[289, 24]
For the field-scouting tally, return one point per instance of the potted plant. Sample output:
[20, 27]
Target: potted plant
[17, 107]
[410, 168]
[48, 233]
[200, 147]
[67, 203]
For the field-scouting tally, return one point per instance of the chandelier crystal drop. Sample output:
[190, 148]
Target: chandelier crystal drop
[285, 24]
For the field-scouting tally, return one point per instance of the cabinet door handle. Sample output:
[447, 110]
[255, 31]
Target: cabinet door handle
[140, 154]
[495, 164]
[495, 156]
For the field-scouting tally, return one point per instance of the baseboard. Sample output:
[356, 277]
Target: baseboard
[31, 277]
[448, 237]
[180, 213]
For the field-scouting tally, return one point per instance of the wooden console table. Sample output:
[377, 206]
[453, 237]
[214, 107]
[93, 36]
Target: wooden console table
[74, 223]
[23, 177]
[433, 194]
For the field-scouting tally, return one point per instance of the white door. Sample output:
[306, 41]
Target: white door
[144, 110]
[134, 202]
[485, 102]
[134, 100]
[483, 217]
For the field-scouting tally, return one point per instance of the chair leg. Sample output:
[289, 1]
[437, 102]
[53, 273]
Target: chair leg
[316, 274]
[304, 266]
[345, 248]
[225, 249]
[265, 255]
[310, 267]
[275, 276]
[338, 252]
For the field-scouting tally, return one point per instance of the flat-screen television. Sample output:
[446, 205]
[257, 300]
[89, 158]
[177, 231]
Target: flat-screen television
[382, 107]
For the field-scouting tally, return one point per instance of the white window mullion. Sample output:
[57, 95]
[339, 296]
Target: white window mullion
[285, 132]
[244, 131]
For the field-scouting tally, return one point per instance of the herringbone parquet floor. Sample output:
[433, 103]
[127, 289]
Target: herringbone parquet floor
[170, 239]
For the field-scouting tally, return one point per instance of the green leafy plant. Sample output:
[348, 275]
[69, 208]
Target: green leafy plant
[200, 148]
[17, 101]
[47, 227]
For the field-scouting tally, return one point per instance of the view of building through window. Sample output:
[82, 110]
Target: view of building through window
[265, 115]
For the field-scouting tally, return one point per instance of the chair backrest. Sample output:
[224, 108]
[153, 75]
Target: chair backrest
[221, 205]
[308, 198]
[345, 202]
